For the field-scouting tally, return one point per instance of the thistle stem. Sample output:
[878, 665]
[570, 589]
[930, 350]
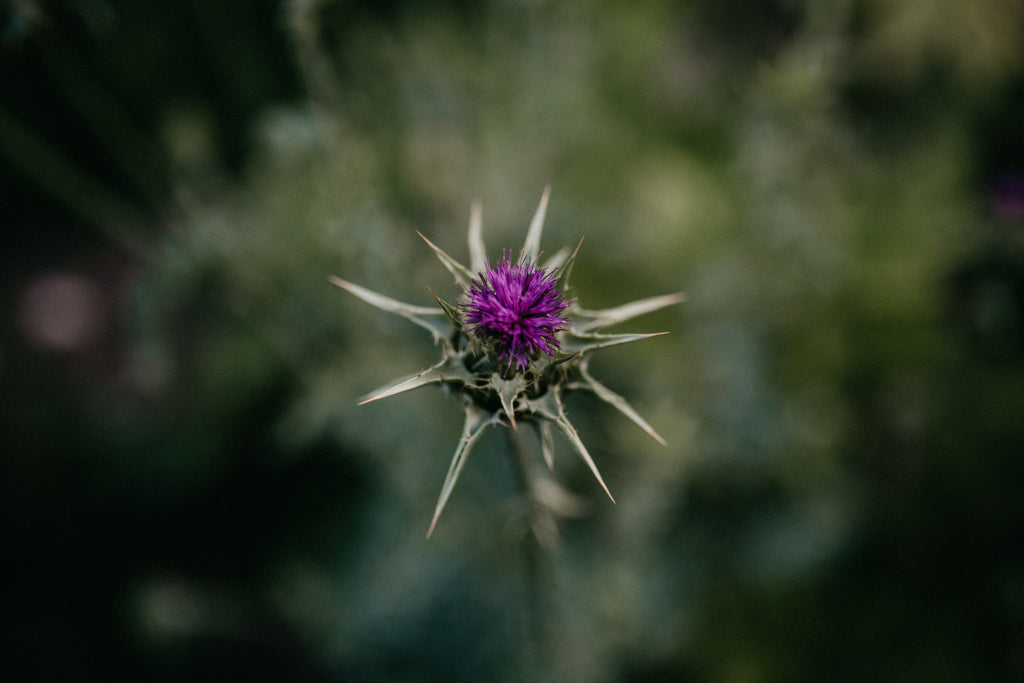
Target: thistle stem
[540, 614]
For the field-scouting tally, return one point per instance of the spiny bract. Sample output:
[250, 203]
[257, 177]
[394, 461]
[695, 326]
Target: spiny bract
[513, 345]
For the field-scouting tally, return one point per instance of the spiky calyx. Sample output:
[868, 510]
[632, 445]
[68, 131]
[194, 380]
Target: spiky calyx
[514, 345]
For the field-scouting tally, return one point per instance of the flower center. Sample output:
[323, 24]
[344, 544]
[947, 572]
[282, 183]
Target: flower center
[515, 309]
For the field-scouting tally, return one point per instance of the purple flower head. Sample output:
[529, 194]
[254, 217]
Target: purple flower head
[515, 309]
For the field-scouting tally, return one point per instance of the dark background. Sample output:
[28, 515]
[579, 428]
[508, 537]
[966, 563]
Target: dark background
[191, 493]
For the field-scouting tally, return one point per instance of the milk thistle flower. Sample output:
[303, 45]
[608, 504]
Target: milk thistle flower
[512, 347]
[516, 309]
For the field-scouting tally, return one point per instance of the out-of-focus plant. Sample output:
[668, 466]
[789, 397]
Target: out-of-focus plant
[511, 348]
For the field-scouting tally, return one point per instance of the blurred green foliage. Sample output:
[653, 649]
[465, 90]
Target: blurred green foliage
[192, 493]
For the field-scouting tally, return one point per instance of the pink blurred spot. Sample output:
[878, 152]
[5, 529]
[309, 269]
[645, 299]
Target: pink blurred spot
[1008, 196]
[61, 311]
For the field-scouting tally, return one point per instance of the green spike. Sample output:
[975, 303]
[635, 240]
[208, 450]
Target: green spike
[508, 391]
[476, 421]
[560, 357]
[531, 248]
[547, 442]
[448, 370]
[463, 276]
[431, 319]
[569, 432]
[477, 252]
[565, 268]
[618, 314]
[555, 261]
[618, 402]
[577, 343]
[451, 311]
[549, 407]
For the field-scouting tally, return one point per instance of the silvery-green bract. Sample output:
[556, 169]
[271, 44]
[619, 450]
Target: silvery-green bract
[513, 345]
